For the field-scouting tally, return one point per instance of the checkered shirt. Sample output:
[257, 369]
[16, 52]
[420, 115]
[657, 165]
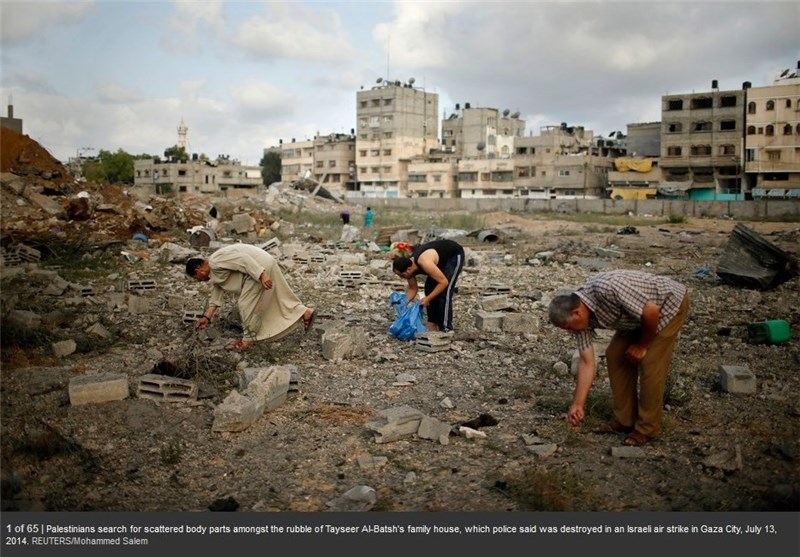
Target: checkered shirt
[617, 299]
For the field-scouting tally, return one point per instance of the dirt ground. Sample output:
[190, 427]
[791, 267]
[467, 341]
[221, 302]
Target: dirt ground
[718, 452]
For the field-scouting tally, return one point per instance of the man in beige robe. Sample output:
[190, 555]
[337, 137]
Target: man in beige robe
[267, 305]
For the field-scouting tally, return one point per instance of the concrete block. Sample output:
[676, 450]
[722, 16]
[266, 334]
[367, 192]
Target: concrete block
[166, 388]
[489, 321]
[395, 423]
[495, 302]
[141, 285]
[104, 387]
[98, 330]
[235, 413]
[520, 323]
[138, 305]
[433, 429]
[343, 342]
[433, 341]
[64, 348]
[498, 287]
[737, 379]
[270, 387]
[543, 451]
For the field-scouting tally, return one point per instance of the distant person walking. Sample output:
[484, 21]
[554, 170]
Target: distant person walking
[345, 215]
[441, 261]
[646, 312]
[368, 215]
[267, 305]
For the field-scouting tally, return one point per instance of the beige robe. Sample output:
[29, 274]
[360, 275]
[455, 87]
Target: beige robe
[266, 314]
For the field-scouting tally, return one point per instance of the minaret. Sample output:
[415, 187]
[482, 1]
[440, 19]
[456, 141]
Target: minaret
[182, 129]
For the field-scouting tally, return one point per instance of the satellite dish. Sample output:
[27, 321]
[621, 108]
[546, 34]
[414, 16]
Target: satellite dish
[379, 80]
[506, 112]
[515, 115]
[481, 146]
[411, 80]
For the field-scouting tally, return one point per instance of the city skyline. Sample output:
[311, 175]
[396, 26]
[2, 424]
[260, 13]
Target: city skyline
[244, 75]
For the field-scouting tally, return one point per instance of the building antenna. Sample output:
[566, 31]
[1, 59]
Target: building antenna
[388, 51]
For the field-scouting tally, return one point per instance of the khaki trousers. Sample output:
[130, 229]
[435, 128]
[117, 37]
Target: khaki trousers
[643, 409]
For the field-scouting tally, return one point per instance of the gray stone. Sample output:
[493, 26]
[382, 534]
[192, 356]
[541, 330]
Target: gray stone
[729, 461]
[433, 429]
[543, 451]
[24, 319]
[64, 348]
[495, 302]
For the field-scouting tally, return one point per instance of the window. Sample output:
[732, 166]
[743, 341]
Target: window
[388, 118]
[700, 150]
[362, 152]
[727, 150]
[701, 126]
[331, 164]
[182, 172]
[417, 178]
[727, 125]
[484, 176]
[769, 130]
[374, 122]
[701, 102]
[387, 152]
[503, 176]
[751, 130]
[675, 104]
[787, 129]
[320, 164]
[376, 170]
[437, 177]
[363, 104]
[674, 151]
[387, 102]
[387, 135]
[563, 172]
[376, 102]
[788, 103]
[774, 155]
[523, 172]
[751, 107]
[675, 127]
[727, 100]
[770, 105]
[387, 168]
[374, 153]
[467, 176]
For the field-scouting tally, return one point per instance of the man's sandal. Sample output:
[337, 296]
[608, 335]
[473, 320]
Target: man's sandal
[238, 345]
[613, 427]
[636, 439]
[308, 323]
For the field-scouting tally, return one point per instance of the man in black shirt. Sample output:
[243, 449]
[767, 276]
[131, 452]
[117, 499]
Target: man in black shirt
[441, 261]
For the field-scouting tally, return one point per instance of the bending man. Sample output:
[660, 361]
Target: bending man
[267, 305]
[441, 261]
[647, 312]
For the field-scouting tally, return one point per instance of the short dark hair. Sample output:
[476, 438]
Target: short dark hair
[560, 309]
[192, 264]
[401, 264]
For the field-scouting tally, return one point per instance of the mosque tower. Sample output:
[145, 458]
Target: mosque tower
[182, 129]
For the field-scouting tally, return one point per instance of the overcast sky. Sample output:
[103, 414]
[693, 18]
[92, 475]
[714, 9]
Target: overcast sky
[244, 74]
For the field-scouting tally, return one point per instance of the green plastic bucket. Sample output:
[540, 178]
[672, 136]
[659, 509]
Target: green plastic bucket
[768, 332]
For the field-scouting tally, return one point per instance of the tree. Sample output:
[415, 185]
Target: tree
[270, 167]
[109, 168]
[175, 152]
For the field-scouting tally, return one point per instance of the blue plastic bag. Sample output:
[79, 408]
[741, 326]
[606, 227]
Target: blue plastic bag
[398, 301]
[408, 323]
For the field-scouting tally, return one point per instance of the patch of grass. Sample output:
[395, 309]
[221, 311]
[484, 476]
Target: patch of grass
[171, 453]
[676, 219]
[540, 489]
[523, 391]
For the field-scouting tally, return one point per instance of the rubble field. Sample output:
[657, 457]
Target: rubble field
[94, 290]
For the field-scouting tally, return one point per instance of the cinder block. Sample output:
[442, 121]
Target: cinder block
[166, 388]
[520, 323]
[498, 287]
[138, 305]
[737, 379]
[103, 387]
[191, 316]
[491, 321]
[433, 341]
[141, 285]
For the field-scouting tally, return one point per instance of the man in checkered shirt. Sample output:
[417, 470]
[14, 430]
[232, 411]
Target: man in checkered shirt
[646, 312]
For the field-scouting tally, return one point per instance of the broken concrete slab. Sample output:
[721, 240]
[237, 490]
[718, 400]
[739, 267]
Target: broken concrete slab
[236, 413]
[750, 261]
[433, 429]
[395, 423]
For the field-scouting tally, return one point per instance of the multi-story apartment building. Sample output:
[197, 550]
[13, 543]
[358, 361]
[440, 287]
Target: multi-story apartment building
[772, 140]
[433, 175]
[637, 174]
[297, 160]
[558, 163]
[481, 132]
[327, 159]
[395, 122]
[223, 177]
[701, 142]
